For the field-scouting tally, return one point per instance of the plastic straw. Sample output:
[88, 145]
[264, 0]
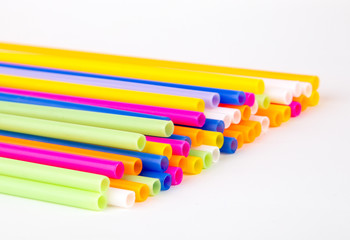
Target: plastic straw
[249, 99]
[276, 117]
[210, 99]
[132, 165]
[219, 116]
[237, 135]
[254, 124]
[214, 125]
[206, 157]
[152, 183]
[176, 175]
[285, 110]
[182, 138]
[192, 165]
[214, 151]
[279, 95]
[72, 132]
[58, 159]
[229, 146]
[295, 108]
[248, 132]
[80, 90]
[313, 99]
[52, 193]
[234, 114]
[54, 175]
[11, 95]
[264, 121]
[226, 96]
[254, 108]
[141, 190]
[121, 197]
[213, 138]
[244, 109]
[179, 147]
[263, 100]
[177, 161]
[164, 178]
[196, 135]
[306, 88]
[137, 71]
[303, 102]
[294, 86]
[158, 149]
[147, 126]
[182, 117]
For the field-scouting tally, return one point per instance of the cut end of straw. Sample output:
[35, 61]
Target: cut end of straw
[137, 167]
[167, 182]
[164, 163]
[216, 100]
[101, 202]
[156, 187]
[169, 129]
[241, 98]
[104, 184]
[141, 143]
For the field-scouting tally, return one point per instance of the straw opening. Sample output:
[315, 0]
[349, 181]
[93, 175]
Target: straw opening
[101, 202]
[201, 120]
[169, 128]
[141, 143]
[130, 199]
[241, 98]
[156, 187]
[266, 102]
[178, 176]
[164, 163]
[137, 167]
[144, 192]
[208, 160]
[104, 184]
[167, 182]
[216, 100]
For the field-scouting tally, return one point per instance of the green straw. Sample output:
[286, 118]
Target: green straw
[263, 100]
[206, 157]
[73, 132]
[147, 126]
[152, 183]
[52, 193]
[54, 175]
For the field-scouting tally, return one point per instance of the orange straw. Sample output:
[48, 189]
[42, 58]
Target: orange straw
[248, 132]
[254, 124]
[244, 109]
[303, 102]
[177, 161]
[195, 134]
[141, 190]
[132, 165]
[276, 117]
[235, 134]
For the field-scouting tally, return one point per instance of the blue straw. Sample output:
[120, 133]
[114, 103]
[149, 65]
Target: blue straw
[150, 162]
[226, 96]
[182, 138]
[230, 145]
[77, 106]
[164, 178]
[214, 125]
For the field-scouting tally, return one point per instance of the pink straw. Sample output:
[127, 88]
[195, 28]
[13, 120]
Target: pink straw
[112, 169]
[179, 147]
[176, 175]
[295, 108]
[180, 117]
[249, 99]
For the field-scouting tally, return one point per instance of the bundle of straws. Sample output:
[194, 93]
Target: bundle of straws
[90, 130]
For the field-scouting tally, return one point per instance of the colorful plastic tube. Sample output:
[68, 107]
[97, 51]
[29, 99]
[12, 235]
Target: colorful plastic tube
[176, 175]
[157, 148]
[179, 147]
[303, 102]
[196, 135]
[131, 165]
[248, 132]
[263, 100]
[192, 165]
[211, 99]
[306, 89]
[147, 126]
[264, 121]
[229, 146]
[213, 138]
[295, 108]
[237, 135]
[254, 124]
[58, 159]
[164, 63]
[182, 117]
[285, 110]
[214, 151]
[244, 109]
[254, 108]
[276, 117]
[313, 99]
[206, 157]
[52, 193]
[121, 197]
[177, 161]
[164, 178]
[149, 161]
[249, 99]
[54, 175]
[234, 114]
[279, 95]
[141, 190]
[137, 71]
[73, 132]
[219, 116]
[293, 86]
[10, 95]
[226, 96]
[152, 183]
[182, 138]
[214, 125]
[113, 94]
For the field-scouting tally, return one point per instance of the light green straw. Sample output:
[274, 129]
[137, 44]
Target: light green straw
[152, 183]
[263, 100]
[73, 132]
[54, 175]
[147, 126]
[52, 193]
[204, 155]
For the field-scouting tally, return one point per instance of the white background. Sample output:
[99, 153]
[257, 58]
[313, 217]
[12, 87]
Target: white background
[292, 183]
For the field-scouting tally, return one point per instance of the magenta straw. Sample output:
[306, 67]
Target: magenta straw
[112, 169]
[295, 108]
[176, 175]
[180, 117]
[179, 147]
[211, 99]
[249, 99]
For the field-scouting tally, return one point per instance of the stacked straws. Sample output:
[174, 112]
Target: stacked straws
[90, 130]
